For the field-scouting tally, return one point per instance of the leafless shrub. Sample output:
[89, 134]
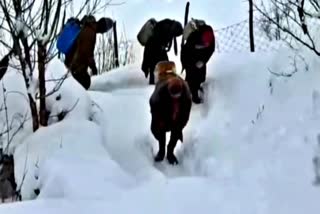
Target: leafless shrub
[28, 31]
[32, 28]
[297, 61]
[296, 19]
[105, 54]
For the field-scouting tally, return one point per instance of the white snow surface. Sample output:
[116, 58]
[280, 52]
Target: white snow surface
[247, 149]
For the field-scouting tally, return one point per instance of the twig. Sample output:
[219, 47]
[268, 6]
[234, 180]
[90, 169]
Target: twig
[24, 172]
[311, 45]
[258, 115]
[57, 86]
[6, 111]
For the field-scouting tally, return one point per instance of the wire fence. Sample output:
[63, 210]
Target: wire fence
[235, 38]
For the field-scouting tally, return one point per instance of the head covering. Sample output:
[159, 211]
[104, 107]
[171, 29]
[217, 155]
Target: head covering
[175, 87]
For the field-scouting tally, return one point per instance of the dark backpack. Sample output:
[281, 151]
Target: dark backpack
[166, 31]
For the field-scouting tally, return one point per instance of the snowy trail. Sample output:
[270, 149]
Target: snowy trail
[129, 132]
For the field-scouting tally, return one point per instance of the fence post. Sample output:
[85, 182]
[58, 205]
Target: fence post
[115, 38]
[251, 25]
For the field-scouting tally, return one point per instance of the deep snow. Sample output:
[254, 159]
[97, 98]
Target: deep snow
[248, 149]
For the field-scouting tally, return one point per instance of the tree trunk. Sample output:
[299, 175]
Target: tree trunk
[32, 103]
[42, 84]
[115, 38]
[251, 36]
[278, 31]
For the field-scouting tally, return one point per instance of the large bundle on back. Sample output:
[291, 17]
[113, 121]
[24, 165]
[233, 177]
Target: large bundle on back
[146, 31]
[192, 26]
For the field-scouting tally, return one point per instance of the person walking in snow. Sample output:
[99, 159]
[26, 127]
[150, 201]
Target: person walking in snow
[156, 37]
[195, 53]
[170, 105]
[81, 54]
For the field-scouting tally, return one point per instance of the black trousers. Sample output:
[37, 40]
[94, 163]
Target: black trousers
[195, 77]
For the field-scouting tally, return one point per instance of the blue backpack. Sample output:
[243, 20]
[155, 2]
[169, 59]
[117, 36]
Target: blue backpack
[68, 36]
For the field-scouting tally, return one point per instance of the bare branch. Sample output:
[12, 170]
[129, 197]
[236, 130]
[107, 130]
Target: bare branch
[291, 16]
[6, 111]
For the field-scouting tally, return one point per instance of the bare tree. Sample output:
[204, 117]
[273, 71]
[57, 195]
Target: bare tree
[12, 12]
[294, 18]
[271, 30]
[104, 52]
[29, 29]
[32, 28]
[126, 52]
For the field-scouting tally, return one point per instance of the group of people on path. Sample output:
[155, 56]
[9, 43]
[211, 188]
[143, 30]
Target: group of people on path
[172, 98]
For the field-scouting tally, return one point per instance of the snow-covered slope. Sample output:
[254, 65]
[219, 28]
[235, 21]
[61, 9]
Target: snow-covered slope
[248, 149]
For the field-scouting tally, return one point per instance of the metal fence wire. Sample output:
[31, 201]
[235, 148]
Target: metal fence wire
[235, 38]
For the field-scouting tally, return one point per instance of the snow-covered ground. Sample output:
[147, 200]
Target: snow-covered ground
[248, 149]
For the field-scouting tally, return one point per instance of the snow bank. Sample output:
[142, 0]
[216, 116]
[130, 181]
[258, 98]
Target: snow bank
[69, 99]
[182, 195]
[62, 163]
[260, 131]
[120, 78]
